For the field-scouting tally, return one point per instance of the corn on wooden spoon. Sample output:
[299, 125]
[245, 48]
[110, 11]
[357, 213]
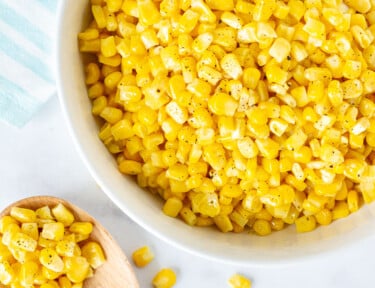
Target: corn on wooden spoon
[116, 271]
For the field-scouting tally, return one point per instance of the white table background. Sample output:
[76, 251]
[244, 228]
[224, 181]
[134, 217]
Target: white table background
[40, 159]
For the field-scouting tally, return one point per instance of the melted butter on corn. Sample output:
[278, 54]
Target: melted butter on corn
[243, 115]
[42, 248]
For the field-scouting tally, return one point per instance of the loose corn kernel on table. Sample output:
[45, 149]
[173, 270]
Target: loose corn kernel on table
[34, 159]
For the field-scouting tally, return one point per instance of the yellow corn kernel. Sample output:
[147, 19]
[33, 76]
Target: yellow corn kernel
[268, 148]
[112, 23]
[303, 155]
[188, 21]
[22, 241]
[226, 38]
[67, 248]
[148, 12]
[352, 69]
[305, 224]
[362, 6]
[50, 284]
[231, 20]
[277, 224]
[46, 243]
[53, 231]
[352, 200]
[92, 73]
[95, 90]
[239, 281]
[6, 273]
[251, 77]
[89, 34]
[262, 227]
[94, 254]
[111, 115]
[30, 229]
[112, 79]
[207, 204]
[64, 282]
[108, 46]
[263, 214]
[62, 214]
[50, 259]
[369, 56]
[142, 256]
[188, 216]
[27, 272]
[298, 51]
[335, 93]
[5, 221]
[202, 42]
[46, 274]
[222, 5]
[122, 130]
[165, 278]
[23, 215]
[247, 147]
[230, 190]
[209, 74]
[231, 66]
[90, 46]
[177, 172]
[280, 49]
[297, 9]
[98, 105]
[130, 167]
[223, 223]
[114, 5]
[113, 61]
[324, 217]
[276, 74]
[172, 207]
[222, 104]
[340, 210]
[257, 116]
[278, 126]
[84, 228]
[77, 268]
[99, 16]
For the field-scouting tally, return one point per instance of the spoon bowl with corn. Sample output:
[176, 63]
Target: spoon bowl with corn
[48, 241]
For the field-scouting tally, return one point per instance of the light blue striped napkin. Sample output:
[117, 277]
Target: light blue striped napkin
[27, 39]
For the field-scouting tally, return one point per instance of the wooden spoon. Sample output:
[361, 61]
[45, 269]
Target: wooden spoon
[116, 271]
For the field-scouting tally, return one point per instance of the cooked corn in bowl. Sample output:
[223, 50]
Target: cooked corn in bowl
[247, 116]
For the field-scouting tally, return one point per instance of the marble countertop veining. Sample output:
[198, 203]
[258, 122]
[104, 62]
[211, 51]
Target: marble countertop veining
[40, 159]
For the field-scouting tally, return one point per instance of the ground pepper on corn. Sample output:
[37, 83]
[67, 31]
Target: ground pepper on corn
[239, 114]
[44, 248]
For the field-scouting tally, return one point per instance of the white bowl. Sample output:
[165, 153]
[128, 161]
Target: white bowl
[145, 209]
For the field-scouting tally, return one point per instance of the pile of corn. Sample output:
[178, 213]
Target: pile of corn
[240, 114]
[43, 248]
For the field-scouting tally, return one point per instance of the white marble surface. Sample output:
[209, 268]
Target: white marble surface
[40, 159]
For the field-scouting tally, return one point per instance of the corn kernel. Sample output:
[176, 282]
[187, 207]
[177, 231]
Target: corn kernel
[305, 224]
[280, 49]
[23, 215]
[50, 259]
[165, 278]
[239, 281]
[62, 214]
[77, 268]
[340, 210]
[142, 256]
[262, 227]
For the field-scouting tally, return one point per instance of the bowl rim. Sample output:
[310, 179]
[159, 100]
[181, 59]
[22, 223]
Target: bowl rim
[198, 251]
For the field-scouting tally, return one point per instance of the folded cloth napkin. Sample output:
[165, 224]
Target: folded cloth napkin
[27, 40]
